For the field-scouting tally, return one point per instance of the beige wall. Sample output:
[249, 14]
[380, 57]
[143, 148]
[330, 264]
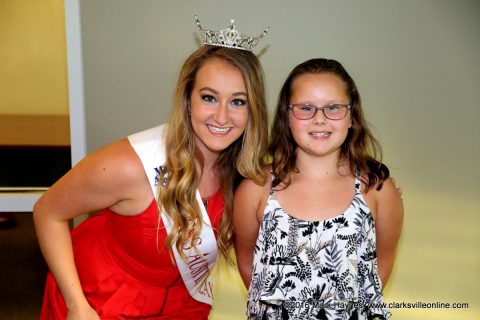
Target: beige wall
[33, 76]
[416, 64]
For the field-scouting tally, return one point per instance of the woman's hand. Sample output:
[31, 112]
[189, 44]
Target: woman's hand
[399, 189]
[83, 313]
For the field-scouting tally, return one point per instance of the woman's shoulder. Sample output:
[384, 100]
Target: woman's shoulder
[106, 177]
[127, 176]
[119, 158]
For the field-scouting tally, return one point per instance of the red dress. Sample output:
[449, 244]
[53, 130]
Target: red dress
[122, 273]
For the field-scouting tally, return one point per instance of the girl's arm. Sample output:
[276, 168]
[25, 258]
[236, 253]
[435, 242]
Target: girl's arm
[246, 222]
[388, 227]
[111, 177]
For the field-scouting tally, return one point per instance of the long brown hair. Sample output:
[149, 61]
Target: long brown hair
[244, 157]
[360, 148]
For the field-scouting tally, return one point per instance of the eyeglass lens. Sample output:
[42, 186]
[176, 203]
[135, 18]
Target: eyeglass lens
[332, 112]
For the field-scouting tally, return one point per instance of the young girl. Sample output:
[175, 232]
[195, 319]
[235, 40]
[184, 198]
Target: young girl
[307, 241]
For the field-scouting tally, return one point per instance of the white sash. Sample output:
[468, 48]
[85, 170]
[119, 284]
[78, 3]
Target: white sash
[149, 146]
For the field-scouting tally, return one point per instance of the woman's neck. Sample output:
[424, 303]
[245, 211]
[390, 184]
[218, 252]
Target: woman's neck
[208, 173]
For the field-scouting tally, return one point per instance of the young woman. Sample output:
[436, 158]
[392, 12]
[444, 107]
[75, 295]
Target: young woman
[321, 234]
[164, 198]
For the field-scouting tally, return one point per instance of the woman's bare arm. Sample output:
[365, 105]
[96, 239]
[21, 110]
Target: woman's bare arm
[110, 177]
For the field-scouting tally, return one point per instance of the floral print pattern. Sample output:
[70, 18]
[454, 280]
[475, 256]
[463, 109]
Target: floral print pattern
[323, 269]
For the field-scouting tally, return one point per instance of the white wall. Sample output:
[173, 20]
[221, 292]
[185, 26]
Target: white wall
[415, 63]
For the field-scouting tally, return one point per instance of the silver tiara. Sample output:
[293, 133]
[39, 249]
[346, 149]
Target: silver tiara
[229, 37]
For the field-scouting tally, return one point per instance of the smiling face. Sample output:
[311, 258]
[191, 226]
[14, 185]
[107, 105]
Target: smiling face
[219, 106]
[319, 135]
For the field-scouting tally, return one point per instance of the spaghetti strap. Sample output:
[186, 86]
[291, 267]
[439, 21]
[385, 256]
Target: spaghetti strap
[358, 184]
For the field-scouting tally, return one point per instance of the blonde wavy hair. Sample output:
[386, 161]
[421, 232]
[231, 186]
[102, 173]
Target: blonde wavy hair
[244, 157]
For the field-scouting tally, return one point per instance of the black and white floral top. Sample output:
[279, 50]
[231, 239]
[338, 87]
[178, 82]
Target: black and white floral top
[316, 269]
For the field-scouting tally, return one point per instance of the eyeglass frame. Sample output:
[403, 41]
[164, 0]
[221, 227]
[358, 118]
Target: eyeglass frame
[347, 106]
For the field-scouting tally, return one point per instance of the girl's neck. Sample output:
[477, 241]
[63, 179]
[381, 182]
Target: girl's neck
[321, 167]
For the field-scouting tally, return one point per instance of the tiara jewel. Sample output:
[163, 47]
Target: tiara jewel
[229, 37]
